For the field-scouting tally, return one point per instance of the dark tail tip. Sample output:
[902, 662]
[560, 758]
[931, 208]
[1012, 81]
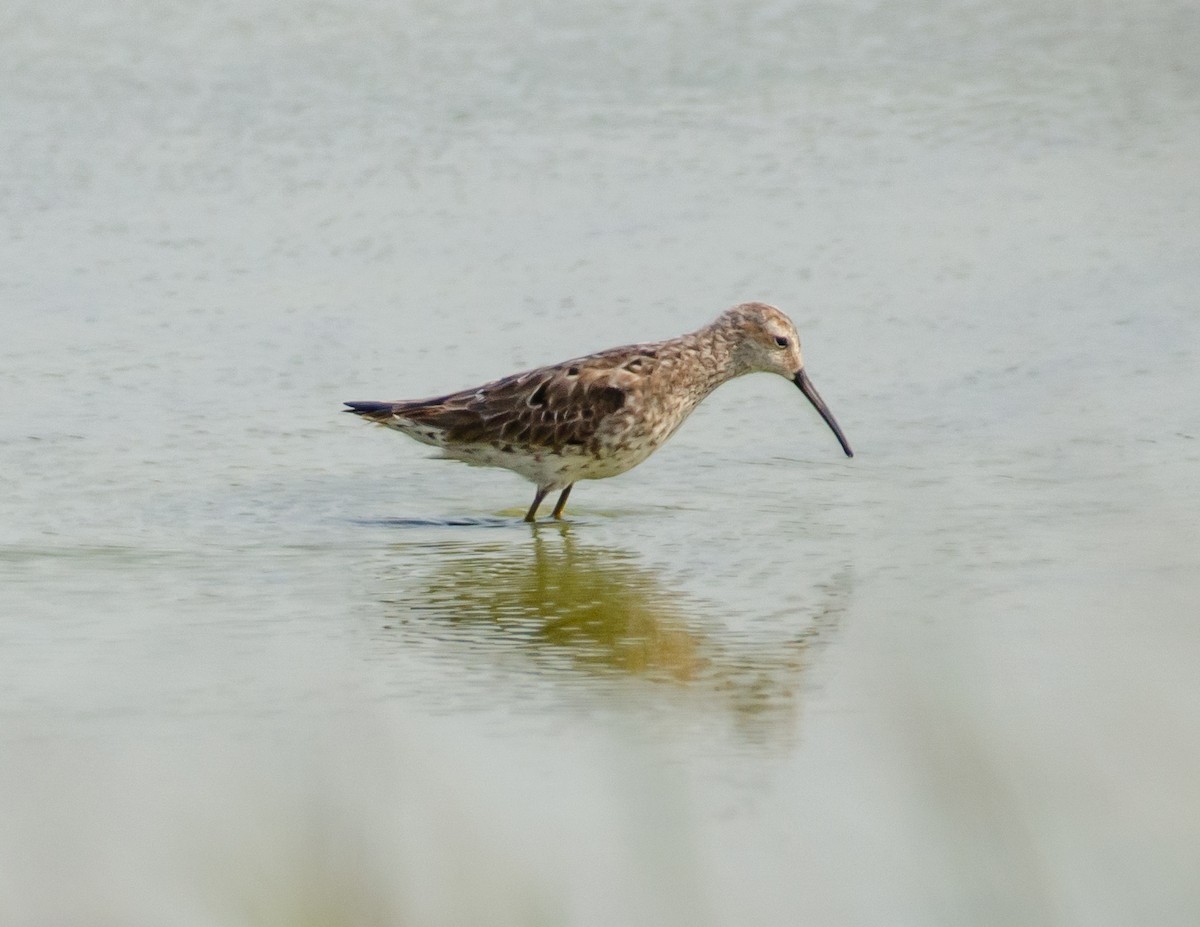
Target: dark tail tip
[374, 410]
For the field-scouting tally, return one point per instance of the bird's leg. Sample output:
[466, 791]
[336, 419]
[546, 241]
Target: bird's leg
[537, 500]
[562, 502]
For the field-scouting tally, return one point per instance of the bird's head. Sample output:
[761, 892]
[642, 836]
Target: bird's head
[762, 338]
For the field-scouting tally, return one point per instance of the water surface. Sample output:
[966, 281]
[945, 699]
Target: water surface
[268, 664]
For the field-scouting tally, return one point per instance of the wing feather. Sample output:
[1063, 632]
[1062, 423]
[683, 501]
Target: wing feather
[550, 407]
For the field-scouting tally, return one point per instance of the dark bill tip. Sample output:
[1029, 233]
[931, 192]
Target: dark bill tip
[801, 380]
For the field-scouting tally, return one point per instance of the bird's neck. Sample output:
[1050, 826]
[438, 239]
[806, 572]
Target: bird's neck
[707, 358]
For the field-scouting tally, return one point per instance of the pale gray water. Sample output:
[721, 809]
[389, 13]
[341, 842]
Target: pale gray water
[261, 664]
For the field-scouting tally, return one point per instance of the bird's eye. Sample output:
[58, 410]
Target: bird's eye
[781, 341]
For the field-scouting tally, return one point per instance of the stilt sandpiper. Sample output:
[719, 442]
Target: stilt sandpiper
[599, 415]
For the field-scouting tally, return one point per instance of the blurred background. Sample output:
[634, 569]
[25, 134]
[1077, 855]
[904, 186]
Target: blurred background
[262, 665]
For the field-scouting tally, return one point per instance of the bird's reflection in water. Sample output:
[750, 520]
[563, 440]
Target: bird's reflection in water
[588, 612]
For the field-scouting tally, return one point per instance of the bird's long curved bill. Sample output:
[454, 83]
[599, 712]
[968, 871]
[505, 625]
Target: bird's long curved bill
[801, 380]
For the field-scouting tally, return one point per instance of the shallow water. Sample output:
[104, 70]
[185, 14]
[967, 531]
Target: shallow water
[262, 664]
